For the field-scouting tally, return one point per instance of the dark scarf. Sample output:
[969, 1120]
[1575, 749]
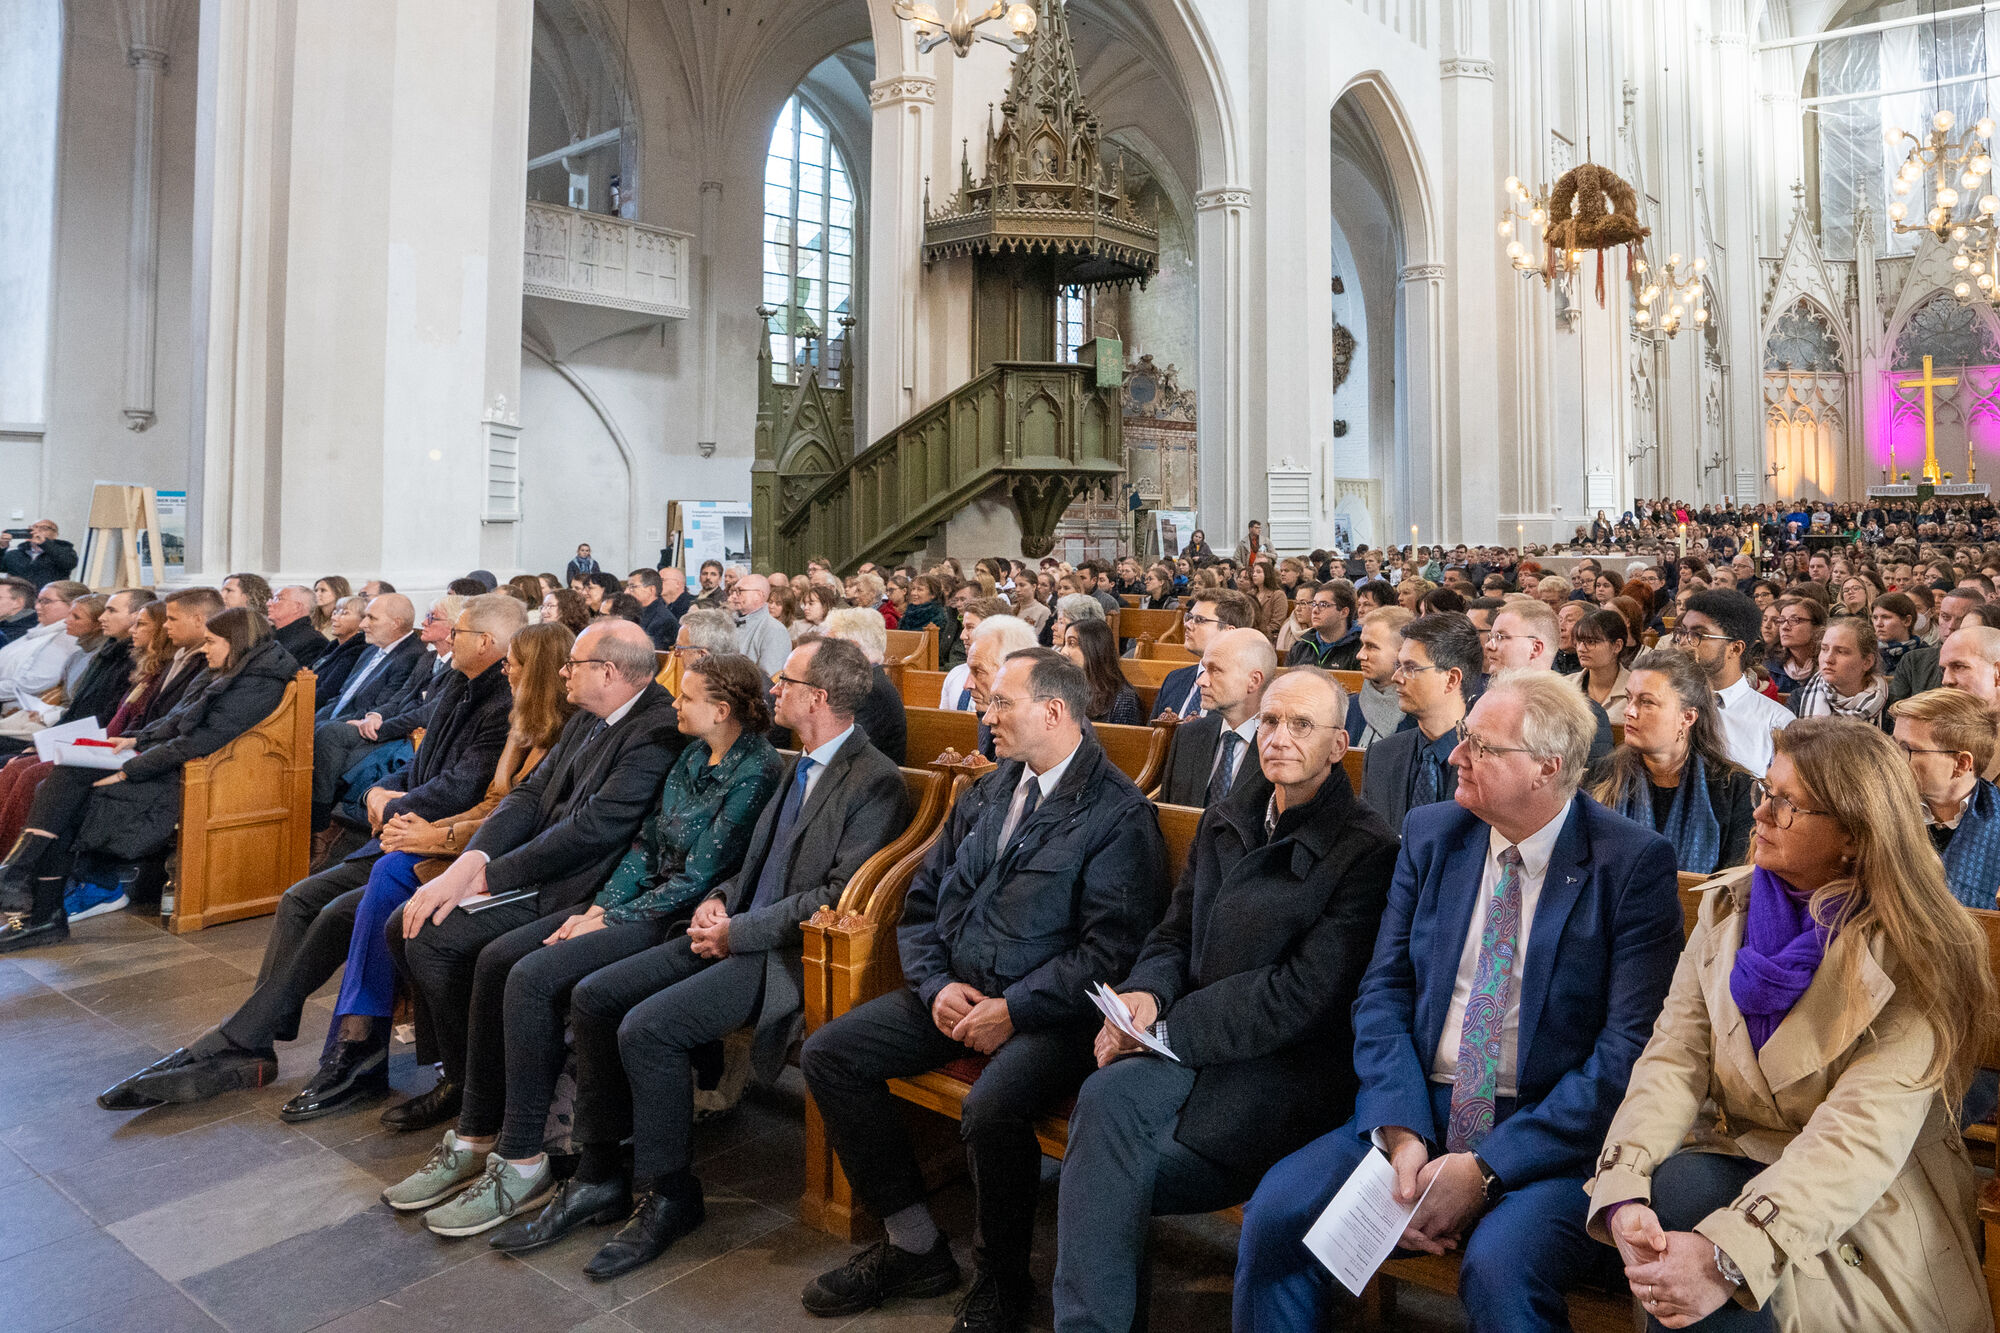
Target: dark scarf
[1781, 950]
[1691, 827]
[1972, 861]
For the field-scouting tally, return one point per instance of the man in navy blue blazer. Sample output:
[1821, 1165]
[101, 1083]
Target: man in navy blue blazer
[1527, 947]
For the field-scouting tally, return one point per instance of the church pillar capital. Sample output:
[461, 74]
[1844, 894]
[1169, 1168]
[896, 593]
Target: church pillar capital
[1236, 198]
[1422, 273]
[902, 90]
[1466, 67]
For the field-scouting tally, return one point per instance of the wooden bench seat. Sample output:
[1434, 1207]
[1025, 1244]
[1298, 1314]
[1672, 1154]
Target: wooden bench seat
[913, 647]
[246, 818]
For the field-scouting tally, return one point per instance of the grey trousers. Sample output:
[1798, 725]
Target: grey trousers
[307, 945]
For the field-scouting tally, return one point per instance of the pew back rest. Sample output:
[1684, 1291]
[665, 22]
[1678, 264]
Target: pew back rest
[932, 731]
[246, 818]
[919, 688]
[917, 648]
[1155, 626]
[1138, 752]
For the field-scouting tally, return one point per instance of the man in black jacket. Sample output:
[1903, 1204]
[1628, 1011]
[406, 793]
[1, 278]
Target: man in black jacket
[1249, 981]
[1334, 641]
[551, 843]
[637, 1021]
[1208, 756]
[43, 558]
[1437, 663]
[1044, 880]
[308, 943]
[290, 610]
[1920, 668]
[662, 626]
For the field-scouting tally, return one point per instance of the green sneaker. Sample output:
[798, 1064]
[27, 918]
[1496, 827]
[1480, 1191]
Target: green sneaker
[449, 1170]
[498, 1195]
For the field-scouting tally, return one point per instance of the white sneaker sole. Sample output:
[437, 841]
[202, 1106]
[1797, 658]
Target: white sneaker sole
[418, 1205]
[118, 904]
[528, 1205]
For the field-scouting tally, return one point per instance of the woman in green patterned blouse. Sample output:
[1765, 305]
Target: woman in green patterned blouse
[693, 843]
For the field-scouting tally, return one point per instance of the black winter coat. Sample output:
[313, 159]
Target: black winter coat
[1067, 903]
[133, 819]
[451, 770]
[335, 666]
[105, 683]
[1257, 964]
[306, 644]
[54, 561]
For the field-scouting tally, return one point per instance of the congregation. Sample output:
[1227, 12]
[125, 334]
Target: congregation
[568, 829]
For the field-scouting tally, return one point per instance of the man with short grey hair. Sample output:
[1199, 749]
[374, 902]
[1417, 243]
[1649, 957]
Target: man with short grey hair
[1492, 1103]
[764, 640]
[707, 631]
[290, 610]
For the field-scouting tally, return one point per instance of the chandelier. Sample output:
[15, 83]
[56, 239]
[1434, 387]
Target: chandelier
[1664, 297]
[1526, 215]
[1962, 206]
[933, 30]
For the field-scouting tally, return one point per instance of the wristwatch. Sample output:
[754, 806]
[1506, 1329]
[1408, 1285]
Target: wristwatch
[1490, 1177]
[1727, 1267]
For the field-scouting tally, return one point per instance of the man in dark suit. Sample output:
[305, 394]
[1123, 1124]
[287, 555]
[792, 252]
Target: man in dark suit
[662, 626]
[1044, 880]
[1209, 614]
[552, 842]
[637, 1022]
[343, 731]
[1207, 756]
[1439, 656]
[1526, 950]
[315, 918]
[580, 567]
[1250, 982]
[17, 608]
[290, 610]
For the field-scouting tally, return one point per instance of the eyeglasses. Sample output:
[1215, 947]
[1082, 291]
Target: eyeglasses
[1000, 703]
[781, 680]
[1918, 749]
[1192, 619]
[1407, 669]
[1298, 727]
[1477, 749]
[458, 631]
[1689, 634]
[1783, 809]
[1323, 606]
[584, 661]
[1496, 638]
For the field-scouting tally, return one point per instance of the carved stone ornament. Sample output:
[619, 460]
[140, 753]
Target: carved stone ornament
[1222, 196]
[900, 89]
[1046, 188]
[1151, 392]
[1343, 354]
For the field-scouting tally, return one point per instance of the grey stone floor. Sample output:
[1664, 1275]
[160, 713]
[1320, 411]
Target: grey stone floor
[220, 1216]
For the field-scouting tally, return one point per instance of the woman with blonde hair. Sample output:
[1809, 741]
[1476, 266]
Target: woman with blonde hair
[328, 594]
[1829, 1006]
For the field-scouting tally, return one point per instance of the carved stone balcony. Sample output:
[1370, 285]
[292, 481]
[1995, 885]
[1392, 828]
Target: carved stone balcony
[612, 263]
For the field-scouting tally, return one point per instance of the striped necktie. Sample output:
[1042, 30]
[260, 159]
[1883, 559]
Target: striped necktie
[1477, 1085]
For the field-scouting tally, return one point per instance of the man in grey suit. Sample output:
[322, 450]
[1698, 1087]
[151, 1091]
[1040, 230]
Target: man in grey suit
[636, 1022]
[1206, 754]
[1440, 655]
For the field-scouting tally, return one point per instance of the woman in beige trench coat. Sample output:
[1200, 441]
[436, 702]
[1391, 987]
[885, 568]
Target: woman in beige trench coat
[1833, 1191]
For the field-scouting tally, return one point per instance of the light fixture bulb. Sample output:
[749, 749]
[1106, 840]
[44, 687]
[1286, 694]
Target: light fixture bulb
[1701, 315]
[1901, 185]
[1515, 249]
[1893, 135]
[1538, 217]
[1986, 282]
[1962, 290]
[1898, 211]
[1513, 185]
[1507, 227]
[1947, 198]
[1674, 259]
[1989, 204]
[1984, 129]
[1021, 18]
[1643, 318]
[1639, 267]
[1700, 265]
[1944, 119]
[1960, 262]
[1937, 216]
[925, 12]
[1958, 233]
[1980, 164]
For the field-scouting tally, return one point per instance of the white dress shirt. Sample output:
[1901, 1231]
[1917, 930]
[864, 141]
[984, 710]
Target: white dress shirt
[955, 682]
[1048, 779]
[1248, 731]
[1536, 849]
[1748, 719]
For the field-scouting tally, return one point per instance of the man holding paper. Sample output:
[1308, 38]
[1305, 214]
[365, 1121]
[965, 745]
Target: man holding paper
[1526, 950]
[1249, 982]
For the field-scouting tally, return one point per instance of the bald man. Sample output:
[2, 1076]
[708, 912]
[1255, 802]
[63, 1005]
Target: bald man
[763, 640]
[1970, 661]
[393, 652]
[1206, 755]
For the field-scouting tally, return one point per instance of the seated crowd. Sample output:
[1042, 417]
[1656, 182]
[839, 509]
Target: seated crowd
[1474, 964]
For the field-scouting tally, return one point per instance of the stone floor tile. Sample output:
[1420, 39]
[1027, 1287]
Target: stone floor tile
[487, 1291]
[753, 1287]
[732, 1222]
[165, 1311]
[142, 1170]
[308, 1279]
[289, 1197]
[71, 1131]
[192, 974]
[43, 1290]
[32, 1214]
[83, 961]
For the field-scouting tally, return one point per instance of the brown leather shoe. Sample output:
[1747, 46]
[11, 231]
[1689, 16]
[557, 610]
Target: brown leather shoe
[322, 844]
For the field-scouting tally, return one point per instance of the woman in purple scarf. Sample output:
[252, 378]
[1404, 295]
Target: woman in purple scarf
[1827, 1003]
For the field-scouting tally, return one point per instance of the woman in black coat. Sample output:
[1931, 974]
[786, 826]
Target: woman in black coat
[349, 643]
[94, 826]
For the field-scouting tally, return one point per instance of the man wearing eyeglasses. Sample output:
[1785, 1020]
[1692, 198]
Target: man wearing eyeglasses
[1525, 953]
[1250, 981]
[1526, 637]
[1950, 736]
[1720, 629]
[315, 918]
[1438, 655]
[1919, 669]
[1045, 880]
[1208, 615]
[1334, 641]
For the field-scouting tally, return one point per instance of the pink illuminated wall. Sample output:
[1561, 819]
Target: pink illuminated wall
[1900, 419]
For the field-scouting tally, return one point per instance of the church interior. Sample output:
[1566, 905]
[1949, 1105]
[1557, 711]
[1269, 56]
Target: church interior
[376, 300]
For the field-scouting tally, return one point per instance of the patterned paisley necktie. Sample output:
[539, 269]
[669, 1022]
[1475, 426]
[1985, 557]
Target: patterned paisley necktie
[1478, 1080]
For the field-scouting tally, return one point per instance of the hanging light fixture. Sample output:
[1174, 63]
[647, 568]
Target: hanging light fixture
[964, 27]
[1948, 184]
[1664, 299]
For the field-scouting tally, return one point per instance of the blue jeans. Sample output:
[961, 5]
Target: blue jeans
[1522, 1254]
[369, 986]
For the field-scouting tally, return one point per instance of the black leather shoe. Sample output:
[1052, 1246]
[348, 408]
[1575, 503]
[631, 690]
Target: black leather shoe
[577, 1204]
[16, 933]
[208, 1076]
[878, 1273]
[426, 1110]
[658, 1222]
[351, 1070]
[995, 1305]
[124, 1094]
[17, 888]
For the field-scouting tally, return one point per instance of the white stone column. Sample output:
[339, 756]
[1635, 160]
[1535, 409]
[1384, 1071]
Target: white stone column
[1223, 216]
[149, 28]
[360, 215]
[1472, 491]
[904, 105]
[1421, 411]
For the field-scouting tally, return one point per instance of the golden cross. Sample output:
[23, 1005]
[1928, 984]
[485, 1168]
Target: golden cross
[1931, 472]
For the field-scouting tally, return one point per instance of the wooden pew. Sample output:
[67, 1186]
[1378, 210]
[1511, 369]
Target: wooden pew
[1138, 752]
[1349, 680]
[919, 688]
[932, 731]
[1167, 652]
[1150, 626]
[1145, 678]
[917, 648]
[246, 818]
[1129, 599]
[852, 952]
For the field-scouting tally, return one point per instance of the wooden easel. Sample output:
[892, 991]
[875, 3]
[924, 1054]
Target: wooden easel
[117, 513]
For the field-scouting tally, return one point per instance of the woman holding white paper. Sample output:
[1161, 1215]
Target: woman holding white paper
[96, 829]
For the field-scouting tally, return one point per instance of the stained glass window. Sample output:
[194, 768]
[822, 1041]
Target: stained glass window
[809, 219]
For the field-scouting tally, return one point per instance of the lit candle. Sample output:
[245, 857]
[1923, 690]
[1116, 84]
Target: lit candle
[1520, 539]
[1684, 540]
[1413, 539]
